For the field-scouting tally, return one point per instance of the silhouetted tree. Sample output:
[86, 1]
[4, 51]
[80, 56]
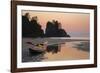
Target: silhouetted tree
[50, 29]
[62, 33]
[53, 29]
[31, 28]
[26, 31]
[36, 28]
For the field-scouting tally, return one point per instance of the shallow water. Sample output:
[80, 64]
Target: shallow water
[55, 50]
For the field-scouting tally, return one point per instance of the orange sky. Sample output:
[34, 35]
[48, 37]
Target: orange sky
[76, 24]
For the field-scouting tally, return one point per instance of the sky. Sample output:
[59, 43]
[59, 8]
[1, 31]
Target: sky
[75, 24]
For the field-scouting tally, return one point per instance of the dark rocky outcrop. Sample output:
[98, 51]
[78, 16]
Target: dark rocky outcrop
[26, 31]
[53, 29]
[31, 28]
[36, 28]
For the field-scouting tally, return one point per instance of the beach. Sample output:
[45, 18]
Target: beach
[56, 49]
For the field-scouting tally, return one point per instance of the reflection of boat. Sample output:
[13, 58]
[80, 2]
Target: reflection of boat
[35, 52]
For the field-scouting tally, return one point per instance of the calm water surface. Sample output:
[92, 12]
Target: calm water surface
[54, 49]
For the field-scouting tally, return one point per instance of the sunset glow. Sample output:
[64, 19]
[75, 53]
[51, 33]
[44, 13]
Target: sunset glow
[76, 24]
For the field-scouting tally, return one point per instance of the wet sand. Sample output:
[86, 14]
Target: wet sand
[68, 52]
[64, 50]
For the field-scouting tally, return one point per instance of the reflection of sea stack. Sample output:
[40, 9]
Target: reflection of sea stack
[54, 29]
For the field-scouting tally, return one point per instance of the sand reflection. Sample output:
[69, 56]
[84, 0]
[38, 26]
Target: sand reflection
[66, 51]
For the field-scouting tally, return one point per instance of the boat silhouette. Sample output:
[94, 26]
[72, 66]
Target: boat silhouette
[36, 48]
